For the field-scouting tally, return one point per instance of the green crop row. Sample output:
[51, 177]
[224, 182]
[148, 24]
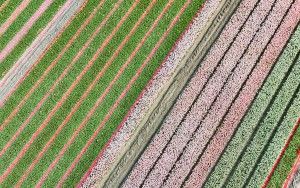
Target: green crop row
[286, 163]
[8, 10]
[251, 121]
[30, 36]
[118, 115]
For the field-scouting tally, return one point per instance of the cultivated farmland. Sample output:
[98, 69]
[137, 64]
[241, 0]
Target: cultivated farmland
[213, 114]
[71, 101]
[149, 93]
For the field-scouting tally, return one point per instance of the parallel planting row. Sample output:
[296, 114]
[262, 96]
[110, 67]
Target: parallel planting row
[20, 23]
[56, 122]
[268, 122]
[186, 149]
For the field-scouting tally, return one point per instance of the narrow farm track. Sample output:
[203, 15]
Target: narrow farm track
[123, 94]
[36, 118]
[196, 131]
[160, 93]
[13, 16]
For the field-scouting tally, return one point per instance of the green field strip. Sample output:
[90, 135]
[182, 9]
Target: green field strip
[276, 145]
[30, 36]
[109, 128]
[58, 92]
[110, 98]
[249, 123]
[286, 163]
[8, 10]
[265, 129]
[52, 53]
[16, 26]
[58, 69]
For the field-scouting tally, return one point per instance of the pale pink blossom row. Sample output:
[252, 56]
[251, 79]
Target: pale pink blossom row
[153, 151]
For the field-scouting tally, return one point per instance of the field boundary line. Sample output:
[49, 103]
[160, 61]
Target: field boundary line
[24, 30]
[13, 16]
[74, 60]
[123, 94]
[39, 47]
[86, 93]
[50, 67]
[281, 154]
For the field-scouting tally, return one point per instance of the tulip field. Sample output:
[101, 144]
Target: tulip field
[54, 123]
[230, 123]
[72, 73]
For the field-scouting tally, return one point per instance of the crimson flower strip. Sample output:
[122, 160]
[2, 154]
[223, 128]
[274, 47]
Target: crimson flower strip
[123, 94]
[52, 65]
[17, 38]
[13, 16]
[242, 103]
[67, 69]
[86, 93]
[75, 59]
[160, 140]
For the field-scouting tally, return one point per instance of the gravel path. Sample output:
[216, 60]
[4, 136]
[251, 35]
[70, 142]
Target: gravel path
[19, 71]
[103, 164]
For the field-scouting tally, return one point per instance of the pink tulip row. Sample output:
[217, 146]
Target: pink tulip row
[185, 100]
[167, 160]
[118, 141]
[244, 99]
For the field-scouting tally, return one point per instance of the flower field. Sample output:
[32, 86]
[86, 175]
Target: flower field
[79, 80]
[70, 101]
[232, 119]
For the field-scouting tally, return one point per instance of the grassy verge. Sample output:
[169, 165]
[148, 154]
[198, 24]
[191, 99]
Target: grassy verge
[252, 118]
[119, 113]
